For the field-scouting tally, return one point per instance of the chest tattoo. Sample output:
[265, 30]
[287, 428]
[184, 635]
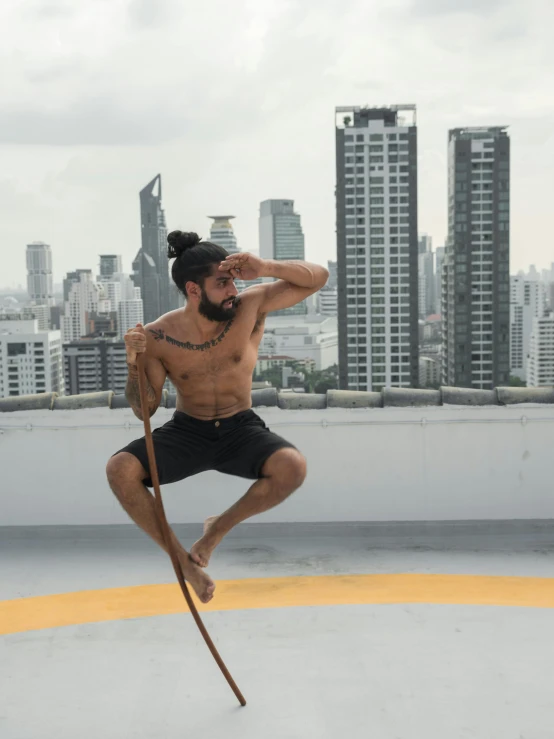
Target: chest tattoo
[160, 335]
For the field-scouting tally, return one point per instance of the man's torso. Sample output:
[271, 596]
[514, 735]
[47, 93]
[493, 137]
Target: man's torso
[212, 379]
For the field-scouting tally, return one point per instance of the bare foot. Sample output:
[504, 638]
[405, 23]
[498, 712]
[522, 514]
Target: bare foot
[201, 550]
[201, 582]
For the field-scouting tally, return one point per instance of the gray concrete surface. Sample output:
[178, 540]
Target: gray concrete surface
[52, 559]
[385, 671]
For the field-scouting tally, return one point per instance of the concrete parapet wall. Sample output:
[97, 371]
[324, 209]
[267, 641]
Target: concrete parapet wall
[267, 397]
[432, 463]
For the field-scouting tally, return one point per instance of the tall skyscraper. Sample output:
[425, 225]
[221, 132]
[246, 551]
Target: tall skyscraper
[280, 231]
[110, 264]
[221, 233]
[426, 280]
[426, 276]
[477, 296]
[377, 246]
[151, 267]
[40, 283]
[439, 262]
[425, 244]
[281, 237]
[527, 302]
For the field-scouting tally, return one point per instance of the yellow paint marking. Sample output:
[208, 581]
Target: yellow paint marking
[90, 606]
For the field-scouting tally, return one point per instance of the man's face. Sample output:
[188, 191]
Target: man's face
[219, 299]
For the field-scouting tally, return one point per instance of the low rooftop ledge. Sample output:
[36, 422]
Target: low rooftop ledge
[269, 397]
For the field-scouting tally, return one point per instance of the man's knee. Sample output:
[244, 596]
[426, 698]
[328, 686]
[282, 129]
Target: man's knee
[122, 469]
[287, 467]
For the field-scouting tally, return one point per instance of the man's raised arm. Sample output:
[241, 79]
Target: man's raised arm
[295, 280]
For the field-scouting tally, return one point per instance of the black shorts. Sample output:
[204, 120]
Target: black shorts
[184, 446]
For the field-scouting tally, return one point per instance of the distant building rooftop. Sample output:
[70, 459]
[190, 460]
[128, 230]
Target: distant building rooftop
[275, 356]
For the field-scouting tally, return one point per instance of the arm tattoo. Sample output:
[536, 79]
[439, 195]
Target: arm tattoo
[132, 392]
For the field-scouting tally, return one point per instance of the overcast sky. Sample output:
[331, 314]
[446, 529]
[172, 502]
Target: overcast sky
[233, 103]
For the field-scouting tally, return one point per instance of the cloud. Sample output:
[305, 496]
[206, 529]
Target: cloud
[153, 14]
[447, 7]
[234, 103]
[107, 81]
[52, 10]
[91, 122]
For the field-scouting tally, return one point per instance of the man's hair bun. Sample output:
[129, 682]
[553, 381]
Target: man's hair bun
[179, 242]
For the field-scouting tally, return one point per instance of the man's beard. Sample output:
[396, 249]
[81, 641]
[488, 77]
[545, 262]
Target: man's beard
[215, 311]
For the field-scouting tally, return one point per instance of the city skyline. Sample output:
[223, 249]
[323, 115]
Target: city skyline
[75, 149]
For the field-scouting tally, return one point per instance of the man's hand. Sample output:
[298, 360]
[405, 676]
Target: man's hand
[135, 342]
[244, 266]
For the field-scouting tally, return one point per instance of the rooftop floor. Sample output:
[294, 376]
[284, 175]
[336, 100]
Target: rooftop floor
[383, 631]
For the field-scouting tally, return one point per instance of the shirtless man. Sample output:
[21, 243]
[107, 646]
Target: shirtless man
[209, 350]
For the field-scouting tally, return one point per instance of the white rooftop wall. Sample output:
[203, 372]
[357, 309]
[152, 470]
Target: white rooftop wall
[384, 464]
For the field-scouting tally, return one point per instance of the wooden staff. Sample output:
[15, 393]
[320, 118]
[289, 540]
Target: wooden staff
[165, 528]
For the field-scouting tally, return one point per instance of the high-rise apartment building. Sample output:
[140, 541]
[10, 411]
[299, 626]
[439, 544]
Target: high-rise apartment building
[151, 266]
[332, 267]
[72, 277]
[93, 365]
[130, 312]
[222, 234]
[327, 301]
[130, 307]
[540, 369]
[429, 371]
[477, 292]
[527, 302]
[41, 312]
[112, 289]
[110, 264]
[425, 244]
[377, 246]
[550, 295]
[40, 282]
[84, 298]
[30, 359]
[281, 237]
[280, 231]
